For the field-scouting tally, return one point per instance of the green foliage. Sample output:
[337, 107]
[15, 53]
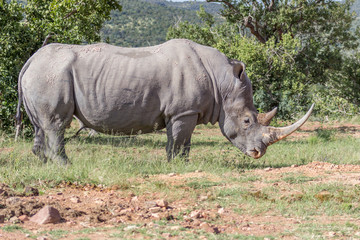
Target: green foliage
[145, 22]
[287, 51]
[24, 29]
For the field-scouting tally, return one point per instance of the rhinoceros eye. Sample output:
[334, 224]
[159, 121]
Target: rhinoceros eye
[246, 122]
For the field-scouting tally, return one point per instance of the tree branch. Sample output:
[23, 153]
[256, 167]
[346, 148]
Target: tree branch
[248, 24]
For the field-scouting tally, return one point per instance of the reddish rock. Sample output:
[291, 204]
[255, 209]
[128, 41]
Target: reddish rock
[46, 215]
[24, 218]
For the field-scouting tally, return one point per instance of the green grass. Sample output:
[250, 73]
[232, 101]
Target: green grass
[133, 163]
[112, 160]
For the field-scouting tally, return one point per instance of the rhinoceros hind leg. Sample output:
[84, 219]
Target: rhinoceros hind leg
[39, 144]
[179, 136]
[56, 146]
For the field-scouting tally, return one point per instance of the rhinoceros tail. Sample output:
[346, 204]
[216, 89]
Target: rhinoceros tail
[18, 117]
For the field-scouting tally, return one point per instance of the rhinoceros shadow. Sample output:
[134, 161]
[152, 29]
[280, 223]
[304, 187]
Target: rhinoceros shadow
[133, 141]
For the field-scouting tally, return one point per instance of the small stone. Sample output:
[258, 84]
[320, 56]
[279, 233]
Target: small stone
[221, 211]
[195, 214]
[172, 174]
[162, 203]
[205, 226]
[24, 218]
[130, 228]
[150, 204]
[124, 211]
[99, 201]
[156, 216]
[267, 169]
[331, 234]
[294, 165]
[175, 228]
[46, 215]
[166, 235]
[196, 222]
[14, 220]
[42, 238]
[13, 201]
[203, 198]
[155, 209]
[75, 199]
[198, 171]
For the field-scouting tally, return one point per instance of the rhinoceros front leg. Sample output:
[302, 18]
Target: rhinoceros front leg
[56, 146]
[179, 132]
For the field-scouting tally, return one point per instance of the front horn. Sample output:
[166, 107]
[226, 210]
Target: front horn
[276, 134]
[265, 118]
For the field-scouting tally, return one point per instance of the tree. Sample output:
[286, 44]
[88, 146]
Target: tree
[25, 28]
[287, 45]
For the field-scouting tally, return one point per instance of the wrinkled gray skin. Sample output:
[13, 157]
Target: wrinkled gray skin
[175, 85]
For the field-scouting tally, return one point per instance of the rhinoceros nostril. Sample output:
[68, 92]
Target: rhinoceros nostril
[255, 153]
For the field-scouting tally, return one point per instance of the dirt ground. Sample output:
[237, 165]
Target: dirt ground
[96, 207]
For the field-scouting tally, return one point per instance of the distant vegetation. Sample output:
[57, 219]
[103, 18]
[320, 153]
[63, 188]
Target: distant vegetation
[146, 22]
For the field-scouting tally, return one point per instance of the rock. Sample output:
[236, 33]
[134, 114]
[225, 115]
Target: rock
[130, 228]
[294, 165]
[14, 220]
[42, 238]
[268, 169]
[13, 201]
[150, 204]
[323, 196]
[99, 201]
[205, 226]
[166, 235]
[198, 171]
[24, 218]
[195, 214]
[155, 209]
[162, 203]
[135, 199]
[172, 174]
[75, 199]
[221, 211]
[46, 215]
[156, 216]
[331, 234]
[203, 198]
[175, 228]
[2, 218]
[30, 191]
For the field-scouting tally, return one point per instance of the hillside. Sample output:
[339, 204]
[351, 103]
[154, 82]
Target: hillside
[145, 22]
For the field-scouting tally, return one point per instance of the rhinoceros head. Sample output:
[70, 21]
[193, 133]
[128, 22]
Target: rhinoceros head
[240, 122]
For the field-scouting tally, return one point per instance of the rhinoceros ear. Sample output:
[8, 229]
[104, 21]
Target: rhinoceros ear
[239, 68]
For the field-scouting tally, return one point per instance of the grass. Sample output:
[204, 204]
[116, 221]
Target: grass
[111, 160]
[133, 164]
